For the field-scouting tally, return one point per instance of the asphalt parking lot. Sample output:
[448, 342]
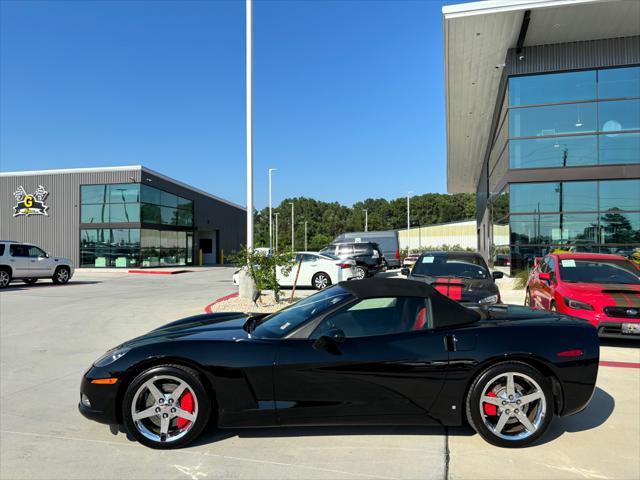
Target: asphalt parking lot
[49, 335]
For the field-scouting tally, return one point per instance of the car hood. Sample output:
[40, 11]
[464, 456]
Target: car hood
[216, 326]
[614, 294]
[462, 289]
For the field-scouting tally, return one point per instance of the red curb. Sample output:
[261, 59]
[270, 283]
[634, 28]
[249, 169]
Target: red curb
[207, 309]
[607, 363]
[159, 272]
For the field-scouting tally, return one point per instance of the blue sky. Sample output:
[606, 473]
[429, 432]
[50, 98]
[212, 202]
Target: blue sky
[348, 95]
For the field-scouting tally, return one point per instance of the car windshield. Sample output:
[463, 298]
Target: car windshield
[599, 271]
[279, 324]
[445, 266]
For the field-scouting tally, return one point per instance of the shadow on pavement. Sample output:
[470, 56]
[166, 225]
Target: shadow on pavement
[597, 412]
[16, 287]
[620, 343]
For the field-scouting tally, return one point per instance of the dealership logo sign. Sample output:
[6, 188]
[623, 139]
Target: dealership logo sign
[30, 204]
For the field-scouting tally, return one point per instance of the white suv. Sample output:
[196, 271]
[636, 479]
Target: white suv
[26, 262]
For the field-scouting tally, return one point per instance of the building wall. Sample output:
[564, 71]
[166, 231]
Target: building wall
[59, 231]
[463, 234]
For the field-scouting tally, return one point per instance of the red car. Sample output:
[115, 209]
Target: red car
[603, 289]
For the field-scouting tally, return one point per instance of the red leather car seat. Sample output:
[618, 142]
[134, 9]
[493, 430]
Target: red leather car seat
[421, 319]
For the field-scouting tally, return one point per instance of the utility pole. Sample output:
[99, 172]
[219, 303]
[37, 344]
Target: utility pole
[249, 118]
[305, 235]
[276, 232]
[366, 220]
[408, 218]
[270, 212]
[293, 230]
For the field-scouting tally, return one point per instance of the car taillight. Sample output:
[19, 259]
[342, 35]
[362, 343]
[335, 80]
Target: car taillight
[344, 265]
[397, 254]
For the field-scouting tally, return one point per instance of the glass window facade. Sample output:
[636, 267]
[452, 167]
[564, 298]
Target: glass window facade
[575, 118]
[143, 246]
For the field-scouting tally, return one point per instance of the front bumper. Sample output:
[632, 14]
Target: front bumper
[608, 327]
[103, 399]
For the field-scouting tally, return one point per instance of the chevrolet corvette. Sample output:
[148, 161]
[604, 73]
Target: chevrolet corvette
[367, 352]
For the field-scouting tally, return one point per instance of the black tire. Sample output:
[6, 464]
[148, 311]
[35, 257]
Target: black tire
[30, 281]
[538, 412]
[202, 410]
[61, 275]
[553, 307]
[361, 272]
[5, 277]
[527, 298]
[320, 281]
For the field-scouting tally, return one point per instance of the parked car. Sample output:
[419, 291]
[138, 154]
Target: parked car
[603, 289]
[317, 270]
[387, 243]
[29, 263]
[372, 352]
[462, 276]
[410, 260]
[368, 257]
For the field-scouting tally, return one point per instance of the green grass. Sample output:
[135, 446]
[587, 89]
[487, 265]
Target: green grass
[521, 279]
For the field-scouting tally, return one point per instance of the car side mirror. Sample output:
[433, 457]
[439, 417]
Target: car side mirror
[330, 340]
[497, 275]
[544, 276]
[405, 271]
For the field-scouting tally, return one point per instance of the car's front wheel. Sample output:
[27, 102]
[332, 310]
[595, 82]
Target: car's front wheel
[510, 404]
[61, 275]
[166, 407]
[321, 281]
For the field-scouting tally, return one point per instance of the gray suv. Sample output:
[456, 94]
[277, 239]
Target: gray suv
[26, 262]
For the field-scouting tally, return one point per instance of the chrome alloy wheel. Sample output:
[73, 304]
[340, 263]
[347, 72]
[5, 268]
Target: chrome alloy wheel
[5, 278]
[360, 273]
[512, 406]
[159, 410]
[62, 275]
[321, 281]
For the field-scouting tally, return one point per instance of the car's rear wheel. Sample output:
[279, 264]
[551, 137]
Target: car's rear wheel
[510, 405]
[166, 407]
[5, 278]
[30, 281]
[321, 281]
[361, 272]
[61, 275]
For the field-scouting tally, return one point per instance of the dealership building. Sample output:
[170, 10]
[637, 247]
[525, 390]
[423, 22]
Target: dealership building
[118, 217]
[543, 123]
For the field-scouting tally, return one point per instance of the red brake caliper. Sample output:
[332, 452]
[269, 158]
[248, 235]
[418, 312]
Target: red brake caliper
[490, 409]
[186, 404]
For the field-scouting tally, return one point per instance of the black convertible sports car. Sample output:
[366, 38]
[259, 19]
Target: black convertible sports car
[371, 352]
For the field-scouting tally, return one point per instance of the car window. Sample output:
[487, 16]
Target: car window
[447, 266]
[35, 252]
[279, 324]
[1, 249]
[329, 256]
[19, 250]
[378, 316]
[345, 250]
[362, 249]
[551, 265]
[599, 271]
[309, 258]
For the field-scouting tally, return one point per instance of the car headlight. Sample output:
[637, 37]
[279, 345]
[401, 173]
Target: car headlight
[487, 300]
[110, 357]
[576, 304]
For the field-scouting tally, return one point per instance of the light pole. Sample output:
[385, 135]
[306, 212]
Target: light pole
[366, 220]
[276, 232]
[305, 235]
[408, 217]
[249, 118]
[293, 228]
[270, 212]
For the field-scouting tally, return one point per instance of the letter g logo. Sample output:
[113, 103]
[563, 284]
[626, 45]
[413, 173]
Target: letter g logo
[28, 201]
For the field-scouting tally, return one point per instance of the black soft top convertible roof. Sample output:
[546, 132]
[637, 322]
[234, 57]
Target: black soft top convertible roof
[447, 312]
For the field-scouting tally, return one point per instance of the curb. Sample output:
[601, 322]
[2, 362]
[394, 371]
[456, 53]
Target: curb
[207, 308]
[159, 272]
